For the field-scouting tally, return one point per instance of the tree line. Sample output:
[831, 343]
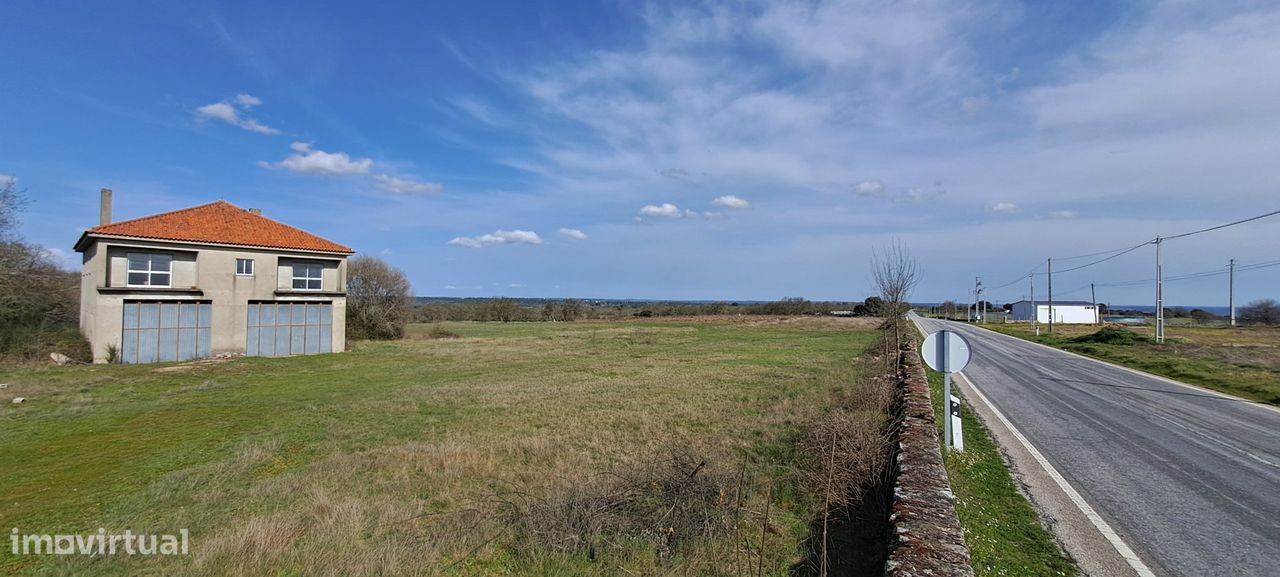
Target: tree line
[39, 300]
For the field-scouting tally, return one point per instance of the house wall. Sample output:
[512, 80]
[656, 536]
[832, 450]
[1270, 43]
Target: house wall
[92, 270]
[212, 270]
[1070, 314]
[1065, 314]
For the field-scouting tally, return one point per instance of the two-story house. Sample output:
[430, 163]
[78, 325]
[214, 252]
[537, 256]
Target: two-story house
[206, 280]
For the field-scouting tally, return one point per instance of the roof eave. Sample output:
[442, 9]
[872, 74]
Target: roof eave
[88, 237]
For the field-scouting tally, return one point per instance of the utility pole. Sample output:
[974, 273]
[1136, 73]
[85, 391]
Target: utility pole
[1159, 295]
[1093, 295]
[1231, 291]
[977, 282]
[1051, 296]
[1035, 311]
[978, 306]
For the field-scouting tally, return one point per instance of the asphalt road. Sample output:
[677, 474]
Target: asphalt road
[1189, 479]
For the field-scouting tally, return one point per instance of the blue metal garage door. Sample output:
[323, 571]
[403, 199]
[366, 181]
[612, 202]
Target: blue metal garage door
[277, 329]
[160, 331]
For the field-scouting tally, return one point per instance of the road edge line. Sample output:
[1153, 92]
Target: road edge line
[1199, 389]
[1092, 515]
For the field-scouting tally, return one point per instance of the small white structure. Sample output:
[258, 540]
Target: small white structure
[1065, 312]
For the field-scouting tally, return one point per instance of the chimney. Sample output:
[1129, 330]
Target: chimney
[104, 208]
[255, 211]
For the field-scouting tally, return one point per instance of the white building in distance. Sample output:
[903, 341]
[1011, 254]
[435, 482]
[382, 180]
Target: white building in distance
[1065, 312]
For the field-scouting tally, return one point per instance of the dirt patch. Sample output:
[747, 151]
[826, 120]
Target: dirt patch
[190, 365]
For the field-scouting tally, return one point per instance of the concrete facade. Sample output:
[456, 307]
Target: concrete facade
[1069, 312]
[202, 272]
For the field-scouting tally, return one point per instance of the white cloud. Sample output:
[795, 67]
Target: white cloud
[684, 96]
[1207, 71]
[869, 188]
[232, 112]
[730, 201]
[917, 195]
[664, 210]
[308, 160]
[1062, 214]
[805, 124]
[1005, 208]
[516, 285]
[477, 109]
[407, 186]
[497, 238]
[573, 233]
[248, 100]
[449, 287]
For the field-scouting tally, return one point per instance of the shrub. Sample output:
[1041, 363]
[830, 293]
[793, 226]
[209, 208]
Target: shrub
[1261, 312]
[378, 299]
[1114, 336]
[39, 304]
[34, 343]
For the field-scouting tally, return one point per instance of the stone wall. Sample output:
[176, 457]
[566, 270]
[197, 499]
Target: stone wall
[927, 537]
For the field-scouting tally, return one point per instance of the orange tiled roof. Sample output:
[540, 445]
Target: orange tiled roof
[217, 222]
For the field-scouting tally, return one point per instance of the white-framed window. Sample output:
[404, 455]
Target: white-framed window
[307, 275]
[244, 267]
[149, 270]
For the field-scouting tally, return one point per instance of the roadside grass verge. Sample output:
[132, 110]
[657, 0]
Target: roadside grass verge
[414, 457]
[1240, 361]
[1001, 527]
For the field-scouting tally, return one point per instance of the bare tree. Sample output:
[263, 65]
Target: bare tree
[894, 270]
[570, 310]
[379, 299]
[12, 200]
[1261, 312]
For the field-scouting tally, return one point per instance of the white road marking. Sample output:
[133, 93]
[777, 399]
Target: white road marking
[1098, 522]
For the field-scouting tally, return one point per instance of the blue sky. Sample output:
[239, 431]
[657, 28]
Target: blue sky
[689, 151]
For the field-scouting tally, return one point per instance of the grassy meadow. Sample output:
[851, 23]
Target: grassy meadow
[1241, 361]
[456, 451]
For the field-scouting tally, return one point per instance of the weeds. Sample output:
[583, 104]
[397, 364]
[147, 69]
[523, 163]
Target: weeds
[1114, 336]
[847, 458]
[665, 504]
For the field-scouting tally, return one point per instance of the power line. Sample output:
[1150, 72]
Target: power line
[1020, 278]
[1250, 219]
[1090, 254]
[1191, 275]
[1102, 260]
[1116, 253]
[1175, 278]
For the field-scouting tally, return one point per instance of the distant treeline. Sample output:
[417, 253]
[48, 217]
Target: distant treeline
[505, 309]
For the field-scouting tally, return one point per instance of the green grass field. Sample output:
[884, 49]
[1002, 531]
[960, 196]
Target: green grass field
[1241, 361]
[394, 458]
